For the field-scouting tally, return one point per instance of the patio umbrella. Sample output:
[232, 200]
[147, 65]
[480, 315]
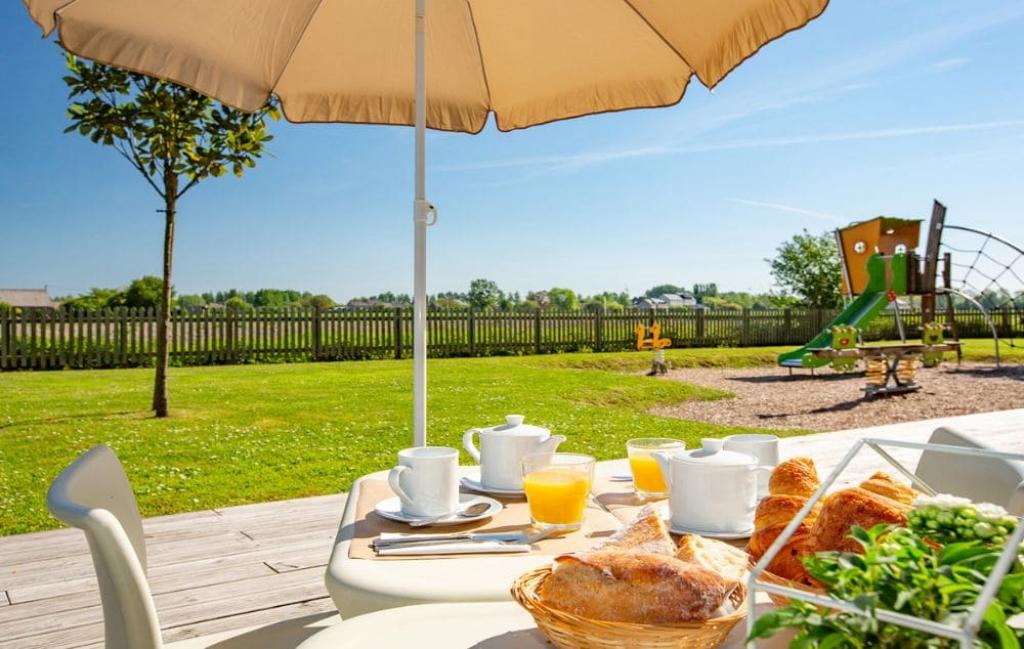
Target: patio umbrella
[366, 62]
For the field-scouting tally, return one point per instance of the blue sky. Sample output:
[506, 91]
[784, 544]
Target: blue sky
[875, 108]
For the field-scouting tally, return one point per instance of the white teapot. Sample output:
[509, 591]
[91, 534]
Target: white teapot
[713, 491]
[503, 447]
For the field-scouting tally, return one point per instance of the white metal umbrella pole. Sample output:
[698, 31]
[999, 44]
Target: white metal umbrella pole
[422, 211]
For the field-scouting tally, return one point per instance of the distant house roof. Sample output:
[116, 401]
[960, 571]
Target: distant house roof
[27, 298]
[366, 304]
[676, 299]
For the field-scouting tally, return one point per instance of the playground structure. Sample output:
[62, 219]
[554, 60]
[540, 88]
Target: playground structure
[655, 343]
[879, 264]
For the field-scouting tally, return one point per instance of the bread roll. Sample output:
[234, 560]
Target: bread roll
[883, 484]
[632, 587]
[776, 510]
[729, 562]
[647, 533]
[842, 510]
[794, 477]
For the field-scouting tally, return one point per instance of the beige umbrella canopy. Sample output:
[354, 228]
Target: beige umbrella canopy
[528, 61]
[363, 61]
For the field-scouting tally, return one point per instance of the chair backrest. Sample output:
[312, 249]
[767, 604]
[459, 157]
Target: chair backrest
[981, 479]
[93, 494]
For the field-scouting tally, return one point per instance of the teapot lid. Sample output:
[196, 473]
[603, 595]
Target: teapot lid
[514, 426]
[703, 457]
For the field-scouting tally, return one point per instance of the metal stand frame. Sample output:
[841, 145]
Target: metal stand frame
[965, 634]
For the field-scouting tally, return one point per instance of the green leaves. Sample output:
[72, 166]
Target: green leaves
[163, 129]
[898, 571]
[807, 266]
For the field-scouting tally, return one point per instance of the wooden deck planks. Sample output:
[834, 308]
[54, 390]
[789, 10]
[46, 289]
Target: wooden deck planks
[209, 571]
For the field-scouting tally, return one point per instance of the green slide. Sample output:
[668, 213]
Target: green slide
[859, 312]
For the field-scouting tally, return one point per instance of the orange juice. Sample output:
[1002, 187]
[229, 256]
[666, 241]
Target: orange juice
[647, 476]
[557, 496]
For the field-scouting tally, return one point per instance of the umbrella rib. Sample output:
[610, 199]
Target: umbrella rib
[295, 46]
[664, 40]
[480, 54]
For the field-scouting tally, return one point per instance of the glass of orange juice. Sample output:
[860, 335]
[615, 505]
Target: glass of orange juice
[557, 486]
[648, 481]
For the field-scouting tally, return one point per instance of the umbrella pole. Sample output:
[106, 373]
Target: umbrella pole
[421, 212]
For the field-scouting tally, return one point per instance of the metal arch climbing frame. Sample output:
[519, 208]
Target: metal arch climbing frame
[988, 280]
[980, 252]
[984, 311]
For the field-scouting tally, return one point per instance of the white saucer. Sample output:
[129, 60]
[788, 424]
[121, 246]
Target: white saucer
[473, 484]
[391, 509]
[723, 536]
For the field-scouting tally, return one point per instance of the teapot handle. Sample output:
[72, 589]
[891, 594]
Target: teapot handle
[662, 457]
[467, 443]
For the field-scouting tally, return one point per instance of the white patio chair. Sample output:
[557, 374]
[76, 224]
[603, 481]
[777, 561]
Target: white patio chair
[93, 494]
[981, 479]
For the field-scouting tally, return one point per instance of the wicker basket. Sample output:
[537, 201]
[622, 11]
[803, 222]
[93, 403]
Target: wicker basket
[781, 600]
[568, 631]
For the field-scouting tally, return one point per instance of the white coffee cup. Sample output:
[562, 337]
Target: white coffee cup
[762, 446]
[426, 480]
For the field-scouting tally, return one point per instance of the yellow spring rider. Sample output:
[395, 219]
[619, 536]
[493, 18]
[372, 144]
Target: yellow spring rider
[655, 343]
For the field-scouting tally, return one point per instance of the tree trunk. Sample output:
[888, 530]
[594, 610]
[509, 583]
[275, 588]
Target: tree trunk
[161, 403]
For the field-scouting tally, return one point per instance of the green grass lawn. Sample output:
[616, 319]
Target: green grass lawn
[253, 433]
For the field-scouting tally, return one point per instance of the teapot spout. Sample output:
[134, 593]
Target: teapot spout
[550, 444]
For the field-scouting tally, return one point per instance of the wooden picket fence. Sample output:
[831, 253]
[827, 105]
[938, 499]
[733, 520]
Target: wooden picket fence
[126, 337]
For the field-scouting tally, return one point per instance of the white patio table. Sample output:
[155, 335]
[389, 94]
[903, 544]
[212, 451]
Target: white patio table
[360, 586]
[480, 625]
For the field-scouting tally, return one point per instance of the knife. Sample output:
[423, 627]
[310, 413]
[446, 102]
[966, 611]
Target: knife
[391, 539]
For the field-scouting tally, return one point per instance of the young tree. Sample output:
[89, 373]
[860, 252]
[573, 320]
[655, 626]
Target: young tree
[145, 292]
[484, 294]
[564, 298]
[808, 266]
[175, 138]
[236, 304]
[319, 302]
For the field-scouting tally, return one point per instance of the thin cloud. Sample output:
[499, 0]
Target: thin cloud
[580, 160]
[950, 64]
[821, 216]
[851, 73]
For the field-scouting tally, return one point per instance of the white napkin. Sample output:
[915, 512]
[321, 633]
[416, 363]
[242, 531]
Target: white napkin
[468, 547]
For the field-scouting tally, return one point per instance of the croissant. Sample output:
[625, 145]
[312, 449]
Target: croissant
[786, 563]
[846, 508]
[883, 484]
[775, 510]
[794, 477]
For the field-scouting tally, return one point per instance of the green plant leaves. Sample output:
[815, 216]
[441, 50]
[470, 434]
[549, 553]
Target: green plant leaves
[898, 571]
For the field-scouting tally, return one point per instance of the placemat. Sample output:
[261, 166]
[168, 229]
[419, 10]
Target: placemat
[597, 524]
[620, 500]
